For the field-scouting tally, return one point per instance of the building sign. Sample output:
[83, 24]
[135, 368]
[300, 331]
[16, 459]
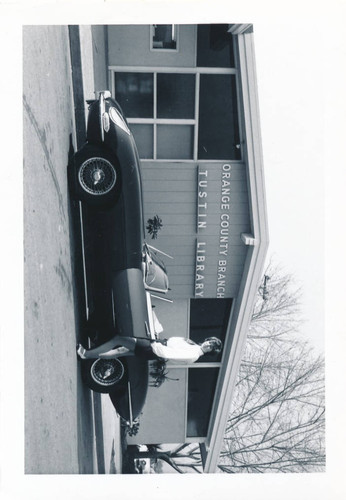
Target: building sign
[217, 230]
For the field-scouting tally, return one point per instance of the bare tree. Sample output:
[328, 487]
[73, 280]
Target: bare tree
[277, 419]
[277, 308]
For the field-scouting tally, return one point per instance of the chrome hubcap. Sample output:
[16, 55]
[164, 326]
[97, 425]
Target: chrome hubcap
[98, 176]
[107, 372]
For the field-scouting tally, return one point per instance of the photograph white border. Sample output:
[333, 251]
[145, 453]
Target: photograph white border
[14, 484]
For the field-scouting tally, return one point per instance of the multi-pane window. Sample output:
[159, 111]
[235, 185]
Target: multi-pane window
[185, 115]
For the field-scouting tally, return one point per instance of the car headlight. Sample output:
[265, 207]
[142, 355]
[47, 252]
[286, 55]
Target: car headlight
[118, 119]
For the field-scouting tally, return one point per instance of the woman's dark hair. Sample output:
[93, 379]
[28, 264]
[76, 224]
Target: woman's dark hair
[216, 343]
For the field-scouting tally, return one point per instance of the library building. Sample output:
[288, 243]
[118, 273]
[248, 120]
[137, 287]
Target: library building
[189, 93]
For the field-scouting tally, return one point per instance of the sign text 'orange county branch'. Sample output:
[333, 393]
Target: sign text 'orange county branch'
[213, 229]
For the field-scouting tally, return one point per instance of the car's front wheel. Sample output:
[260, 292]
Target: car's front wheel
[97, 176]
[102, 375]
[96, 173]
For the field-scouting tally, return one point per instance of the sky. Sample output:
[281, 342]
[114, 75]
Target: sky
[291, 100]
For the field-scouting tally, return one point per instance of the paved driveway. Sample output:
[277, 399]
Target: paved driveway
[58, 409]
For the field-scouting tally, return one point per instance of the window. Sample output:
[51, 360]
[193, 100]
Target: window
[218, 136]
[164, 37]
[214, 46]
[134, 92]
[174, 142]
[201, 391]
[176, 95]
[209, 318]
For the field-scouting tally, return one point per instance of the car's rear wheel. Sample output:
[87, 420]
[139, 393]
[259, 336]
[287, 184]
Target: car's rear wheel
[102, 375]
[97, 179]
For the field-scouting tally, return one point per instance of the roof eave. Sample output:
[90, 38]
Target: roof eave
[243, 307]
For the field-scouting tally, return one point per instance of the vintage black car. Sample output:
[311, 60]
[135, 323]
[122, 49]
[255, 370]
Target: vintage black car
[120, 270]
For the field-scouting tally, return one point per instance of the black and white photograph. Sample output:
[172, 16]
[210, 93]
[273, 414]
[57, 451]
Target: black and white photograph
[170, 290]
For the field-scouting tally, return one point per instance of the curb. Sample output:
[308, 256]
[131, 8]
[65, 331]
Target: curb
[77, 81]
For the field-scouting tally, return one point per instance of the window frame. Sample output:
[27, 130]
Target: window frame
[157, 121]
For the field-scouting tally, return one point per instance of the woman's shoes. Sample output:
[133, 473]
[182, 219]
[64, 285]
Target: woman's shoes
[81, 351]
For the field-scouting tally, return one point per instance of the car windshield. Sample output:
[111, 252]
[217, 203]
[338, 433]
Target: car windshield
[155, 272]
[150, 271]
